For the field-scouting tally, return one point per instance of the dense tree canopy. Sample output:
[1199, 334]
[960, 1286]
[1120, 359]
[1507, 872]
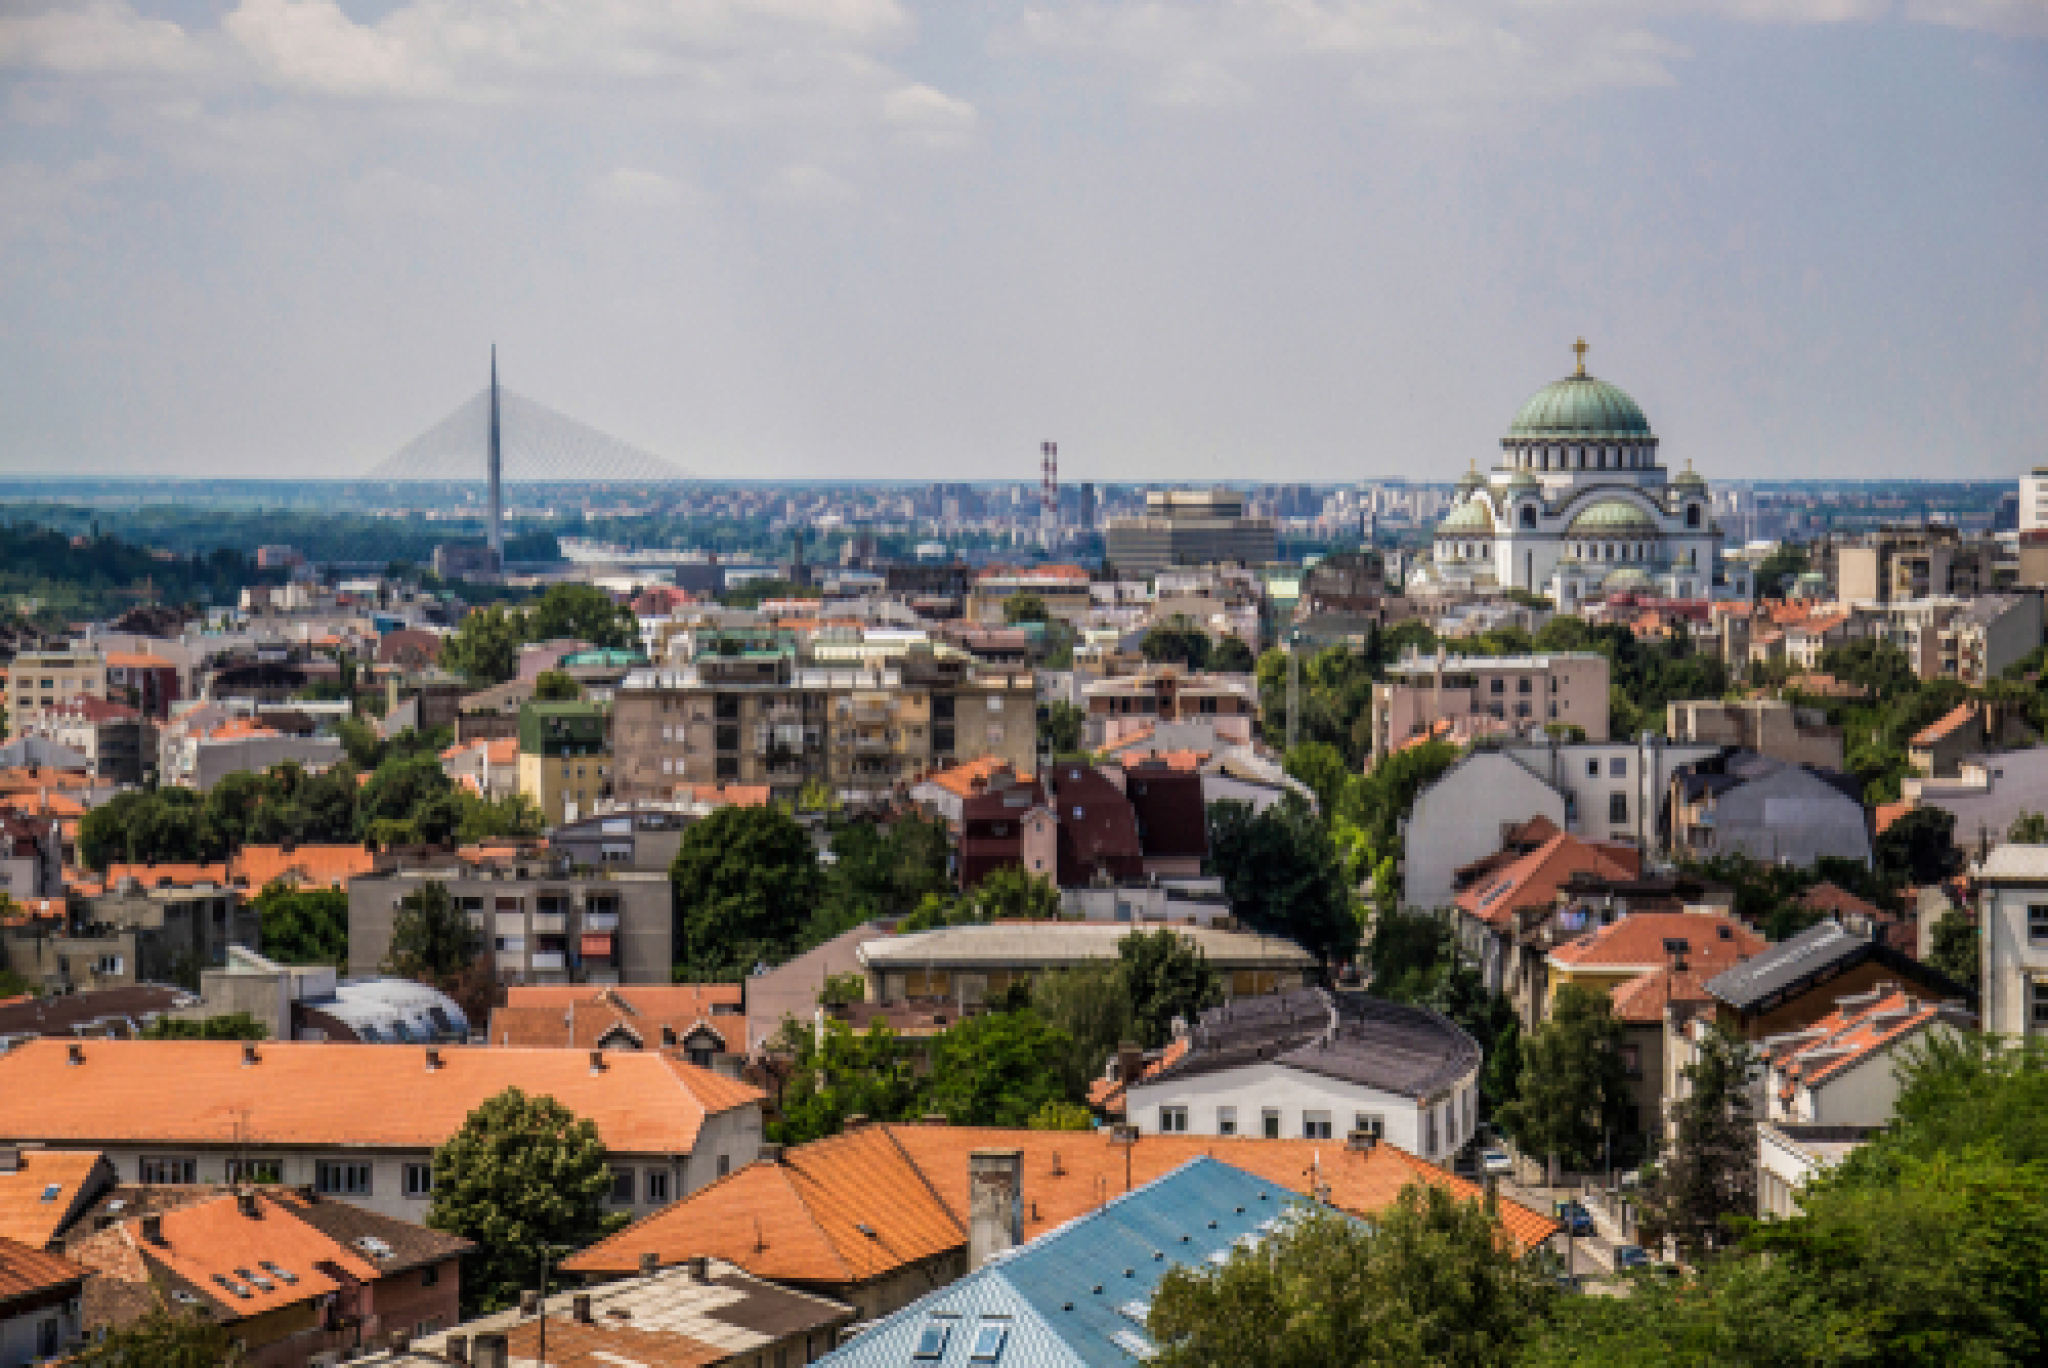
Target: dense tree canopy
[746, 885]
[1283, 874]
[523, 1176]
[431, 938]
[1165, 978]
[1573, 1091]
[304, 924]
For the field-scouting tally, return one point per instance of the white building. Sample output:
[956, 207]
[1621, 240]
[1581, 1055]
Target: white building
[1312, 1065]
[1599, 791]
[2034, 500]
[1579, 504]
[2012, 921]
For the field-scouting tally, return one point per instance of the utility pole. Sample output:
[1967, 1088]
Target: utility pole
[1293, 688]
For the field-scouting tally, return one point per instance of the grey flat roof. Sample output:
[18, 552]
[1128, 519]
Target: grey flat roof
[1390, 1046]
[1785, 964]
[1051, 944]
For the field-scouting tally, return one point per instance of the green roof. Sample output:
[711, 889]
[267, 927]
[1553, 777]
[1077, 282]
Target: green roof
[1580, 406]
[1474, 515]
[1612, 515]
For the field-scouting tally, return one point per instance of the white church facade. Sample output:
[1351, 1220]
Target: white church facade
[1579, 507]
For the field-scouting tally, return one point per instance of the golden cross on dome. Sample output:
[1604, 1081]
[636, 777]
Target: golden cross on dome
[1580, 347]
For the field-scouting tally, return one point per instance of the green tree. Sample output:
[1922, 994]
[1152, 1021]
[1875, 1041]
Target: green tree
[1091, 1007]
[1431, 1281]
[1025, 607]
[1321, 766]
[838, 1072]
[1405, 950]
[304, 925]
[13, 985]
[1282, 873]
[1708, 1176]
[522, 1176]
[2029, 828]
[1378, 802]
[162, 1339]
[431, 938]
[1164, 977]
[581, 612]
[1061, 1116]
[514, 816]
[160, 826]
[1918, 847]
[414, 790]
[1231, 656]
[485, 647]
[1880, 667]
[1573, 1089]
[746, 884]
[1775, 573]
[1954, 950]
[989, 1070]
[227, 1026]
[552, 686]
[1179, 640]
[1011, 894]
[1062, 727]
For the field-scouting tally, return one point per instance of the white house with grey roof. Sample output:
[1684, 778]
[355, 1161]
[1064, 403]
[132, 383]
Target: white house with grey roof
[1316, 1065]
[2012, 921]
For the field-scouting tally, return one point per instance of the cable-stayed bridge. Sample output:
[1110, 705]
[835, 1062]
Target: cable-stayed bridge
[538, 445]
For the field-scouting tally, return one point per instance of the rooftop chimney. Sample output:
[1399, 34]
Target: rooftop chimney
[433, 1059]
[1361, 1141]
[456, 1347]
[771, 1153]
[857, 1119]
[77, 1054]
[245, 1202]
[492, 1351]
[153, 1228]
[995, 1203]
[597, 1061]
[249, 1055]
[697, 1268]
[650, 1262]
[1130, 1062]
[579, 1308]
[10, 1159]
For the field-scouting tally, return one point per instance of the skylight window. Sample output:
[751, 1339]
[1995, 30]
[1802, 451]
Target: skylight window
[931, 1341]
[989, 1340]
[1133, 1343]
[282, 1273]
[1135, 1311]
[50, 1192]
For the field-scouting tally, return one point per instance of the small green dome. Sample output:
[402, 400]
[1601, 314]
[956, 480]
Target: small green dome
[1612, 516]
[1474, 515]
[1690, 479]
[1522, 479]
[1580, 406]
[1628, 577]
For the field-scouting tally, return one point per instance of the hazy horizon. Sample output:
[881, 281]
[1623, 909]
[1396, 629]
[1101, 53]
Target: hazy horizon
[1270, 240]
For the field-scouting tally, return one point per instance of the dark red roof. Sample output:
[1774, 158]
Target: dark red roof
[1098, 827]
[1173, 822]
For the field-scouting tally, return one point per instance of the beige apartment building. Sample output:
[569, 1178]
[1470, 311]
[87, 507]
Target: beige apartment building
[1461, 697]
[37, 680]
[1897, 563]
[765, 718]
[1768, 726]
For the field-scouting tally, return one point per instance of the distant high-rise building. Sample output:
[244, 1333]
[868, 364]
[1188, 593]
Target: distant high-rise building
[1190, 527]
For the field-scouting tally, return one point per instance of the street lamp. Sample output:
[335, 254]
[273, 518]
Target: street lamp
[542, 1305]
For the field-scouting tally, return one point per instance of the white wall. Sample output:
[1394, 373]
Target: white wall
[1256, 1088]
[2010, 962]
[1643, 781]
[1460, 818]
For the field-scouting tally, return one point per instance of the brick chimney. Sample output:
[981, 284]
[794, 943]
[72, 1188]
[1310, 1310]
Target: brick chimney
[995, 1203]
[1130, 1062]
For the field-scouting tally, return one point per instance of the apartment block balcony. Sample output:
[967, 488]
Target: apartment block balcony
[545, 960]
[550, 923]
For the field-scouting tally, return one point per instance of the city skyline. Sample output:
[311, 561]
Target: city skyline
[864, 240]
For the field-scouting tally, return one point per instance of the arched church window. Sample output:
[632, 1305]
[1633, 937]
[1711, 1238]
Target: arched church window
[1692, 515]
[1529, 515]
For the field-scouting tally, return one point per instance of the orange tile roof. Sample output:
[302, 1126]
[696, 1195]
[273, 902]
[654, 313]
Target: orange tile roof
[137, 660]
[1714, 941]
[608, 1344]
[1938, 731]
[208, 1240]
[25, 1270]
[331, 865]
[1641, 1001]
[1884, 814]
[1837, 901]
[799, 1220]
[655, 1000]
[590, 1026]
[24, 1215]
[1107, 1095]
[173, 875]
[299, 1092]
[237, 727]
[1534, 880]
[1846, 1036]
[970, 777]
[731, 795]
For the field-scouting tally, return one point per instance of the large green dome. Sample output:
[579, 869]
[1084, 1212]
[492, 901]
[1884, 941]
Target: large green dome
[1612, 516]
[1474, 515]
[1580, 406]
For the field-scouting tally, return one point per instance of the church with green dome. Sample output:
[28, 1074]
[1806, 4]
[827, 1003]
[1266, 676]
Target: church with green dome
[1579, 507]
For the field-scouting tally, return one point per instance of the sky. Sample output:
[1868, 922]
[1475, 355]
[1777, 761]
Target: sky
[1326, 240]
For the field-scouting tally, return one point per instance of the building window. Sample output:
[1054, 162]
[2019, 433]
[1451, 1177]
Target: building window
[1315, 1125]
[1524, 685]
[2037, 1018]
[1617, 768]
[332, 1178]
[1271, 1120]
[1617, 807]
[419, 1180]
[2037, 923]
[430, 1275]
[1429, 1130]
[657, 1185]
[1593, 768]
[623, 1186]
[1173, 1120]
[724, 1165]
[1499, 686]
[163, 1168]
[1370, 1123]
[253, 1171]
[1226, 1120]
[47, 1338]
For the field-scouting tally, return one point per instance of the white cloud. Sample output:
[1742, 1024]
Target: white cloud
[100, 38]
[928, 117]
[633, 187]
[809, 184]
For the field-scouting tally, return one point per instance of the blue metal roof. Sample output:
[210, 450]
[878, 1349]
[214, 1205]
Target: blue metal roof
[1078, 1295]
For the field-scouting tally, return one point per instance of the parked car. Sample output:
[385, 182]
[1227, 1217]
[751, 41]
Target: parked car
[1497, 1163]
[1576, 1219]
[1630, 1257]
